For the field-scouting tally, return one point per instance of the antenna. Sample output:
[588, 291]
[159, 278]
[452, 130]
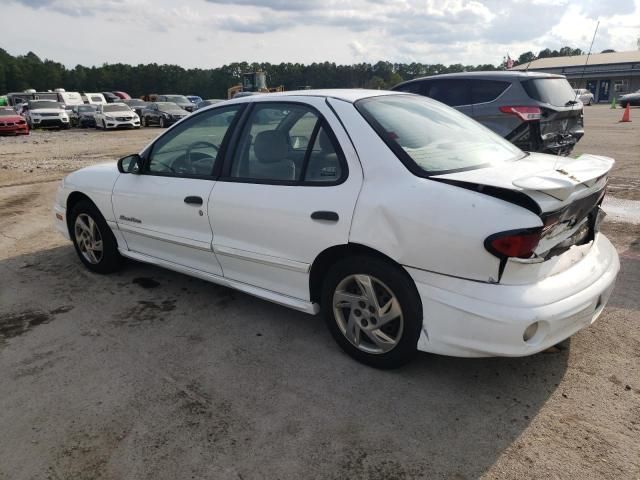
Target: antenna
[584, 69]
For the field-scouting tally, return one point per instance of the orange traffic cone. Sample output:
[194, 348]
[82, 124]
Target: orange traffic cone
[626, 116]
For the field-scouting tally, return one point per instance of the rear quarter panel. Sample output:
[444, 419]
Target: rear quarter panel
[420, 222]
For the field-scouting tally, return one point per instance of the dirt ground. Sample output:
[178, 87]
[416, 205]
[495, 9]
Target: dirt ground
[149, 374]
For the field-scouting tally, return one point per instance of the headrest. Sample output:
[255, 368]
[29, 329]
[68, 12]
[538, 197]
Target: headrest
[271, 146]
[325, 142]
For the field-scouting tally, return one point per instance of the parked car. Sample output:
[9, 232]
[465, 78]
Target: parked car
[11, 123]
[584, 95]
[121, 95]
[195, 99]
[537, 112]
[116, 115]
[45, 114]
[207, 103]
[111, 97]
[136, 105]
[83, 116]
[407, 224]
[162, 114]
[632, 99]
[180, 100]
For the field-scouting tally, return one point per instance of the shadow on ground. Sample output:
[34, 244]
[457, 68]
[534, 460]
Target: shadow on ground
[165, 376]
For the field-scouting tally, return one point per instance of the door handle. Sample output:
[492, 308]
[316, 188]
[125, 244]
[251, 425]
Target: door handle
[324, 215]
[193, 200]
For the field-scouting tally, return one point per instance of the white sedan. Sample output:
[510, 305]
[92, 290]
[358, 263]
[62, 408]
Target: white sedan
[584, 95]
[406, 223]
[116, 115]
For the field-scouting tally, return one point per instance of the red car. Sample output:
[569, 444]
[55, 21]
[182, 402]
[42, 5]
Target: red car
[12, 123]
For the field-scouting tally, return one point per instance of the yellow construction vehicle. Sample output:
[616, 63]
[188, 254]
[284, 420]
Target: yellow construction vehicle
[255, 82]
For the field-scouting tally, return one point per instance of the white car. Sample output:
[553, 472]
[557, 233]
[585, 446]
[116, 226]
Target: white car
[407, 224]
[116, 115]
[45, 113]
[584, 95]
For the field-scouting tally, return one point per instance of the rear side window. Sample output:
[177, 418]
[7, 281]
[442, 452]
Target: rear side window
[554, 91]
[431, 139]
[484, 91]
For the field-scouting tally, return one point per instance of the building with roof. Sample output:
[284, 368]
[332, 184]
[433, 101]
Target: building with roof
[606, 75]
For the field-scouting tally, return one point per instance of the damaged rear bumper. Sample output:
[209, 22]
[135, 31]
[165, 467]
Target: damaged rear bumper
[473, 319]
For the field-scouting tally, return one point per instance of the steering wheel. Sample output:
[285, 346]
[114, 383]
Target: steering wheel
[198, 144]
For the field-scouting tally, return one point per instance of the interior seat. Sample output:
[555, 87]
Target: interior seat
[271, 149]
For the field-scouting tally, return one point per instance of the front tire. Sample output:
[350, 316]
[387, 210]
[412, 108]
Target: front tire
[373, 311]
[93, 240]
[162, 123]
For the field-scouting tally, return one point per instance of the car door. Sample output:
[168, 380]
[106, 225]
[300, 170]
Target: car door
[286, 194]
[163, 211]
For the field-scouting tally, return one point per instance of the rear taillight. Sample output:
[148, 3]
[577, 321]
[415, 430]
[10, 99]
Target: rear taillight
[525, 114]
[514, 243]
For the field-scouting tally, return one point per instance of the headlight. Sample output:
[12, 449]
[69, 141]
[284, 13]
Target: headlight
[107, 117]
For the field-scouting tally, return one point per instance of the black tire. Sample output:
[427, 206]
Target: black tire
[110, 260]
[162, 123]
[404, 289]
[143, 122]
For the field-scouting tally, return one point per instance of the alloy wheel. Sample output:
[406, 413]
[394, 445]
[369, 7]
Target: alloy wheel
[88, 238]
[368, 313]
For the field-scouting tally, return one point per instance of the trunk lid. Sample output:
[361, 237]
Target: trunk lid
[564, 192]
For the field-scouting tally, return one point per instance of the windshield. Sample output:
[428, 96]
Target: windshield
[87, 108]
[7, 112]
[135, 102]
[433, 137]
[554, 91]
[177, 99]
[169, 106]
[35, 105]
[116, 108]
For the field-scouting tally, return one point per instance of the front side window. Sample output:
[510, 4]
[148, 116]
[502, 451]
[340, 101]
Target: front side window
[452, 92]
[433, 139]
[286, 143]
[193, 147]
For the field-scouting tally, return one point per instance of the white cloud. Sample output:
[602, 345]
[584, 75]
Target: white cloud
[209, 33]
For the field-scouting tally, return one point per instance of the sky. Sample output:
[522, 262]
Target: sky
[211, 33]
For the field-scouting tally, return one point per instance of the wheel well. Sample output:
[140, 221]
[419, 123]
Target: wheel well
[331, 255]
[72, 201]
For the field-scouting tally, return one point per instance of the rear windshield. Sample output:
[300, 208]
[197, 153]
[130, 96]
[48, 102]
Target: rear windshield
[554, 91]
[7, 112]
[431, 138]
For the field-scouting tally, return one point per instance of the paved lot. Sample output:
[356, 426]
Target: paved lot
[149, 374]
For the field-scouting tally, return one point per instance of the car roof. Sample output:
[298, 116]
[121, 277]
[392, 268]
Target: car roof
[346, 94]
[489, 75]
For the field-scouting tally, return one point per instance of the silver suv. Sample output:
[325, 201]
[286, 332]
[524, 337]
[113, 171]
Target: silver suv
[537, 112]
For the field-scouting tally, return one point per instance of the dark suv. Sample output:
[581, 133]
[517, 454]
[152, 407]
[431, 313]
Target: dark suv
[537, 112]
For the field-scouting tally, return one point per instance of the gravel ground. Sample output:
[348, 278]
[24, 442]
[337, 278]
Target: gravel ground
[149, 374]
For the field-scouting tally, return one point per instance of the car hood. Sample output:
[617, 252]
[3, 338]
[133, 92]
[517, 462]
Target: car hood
[11, 118]
[47, 110]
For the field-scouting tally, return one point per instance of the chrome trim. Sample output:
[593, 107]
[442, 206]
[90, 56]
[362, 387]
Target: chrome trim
[269, 260]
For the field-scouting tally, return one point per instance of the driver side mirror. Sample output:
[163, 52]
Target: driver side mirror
[130, 164]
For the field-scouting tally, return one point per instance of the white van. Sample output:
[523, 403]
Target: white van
[95, 99]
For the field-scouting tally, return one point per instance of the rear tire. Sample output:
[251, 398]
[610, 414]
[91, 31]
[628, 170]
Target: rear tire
[93, 240]
[373, 311]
